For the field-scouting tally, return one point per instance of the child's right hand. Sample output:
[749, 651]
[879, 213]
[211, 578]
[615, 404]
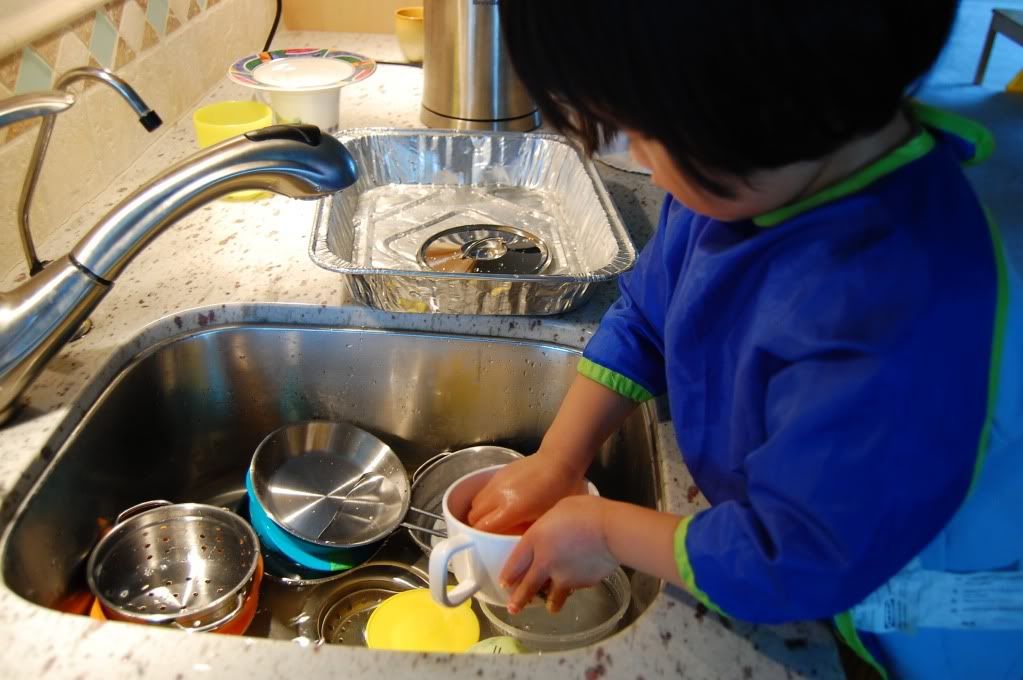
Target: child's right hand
[528, 488]
[522, 491]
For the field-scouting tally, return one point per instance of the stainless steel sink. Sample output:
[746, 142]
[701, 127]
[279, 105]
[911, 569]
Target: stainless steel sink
[180, 422]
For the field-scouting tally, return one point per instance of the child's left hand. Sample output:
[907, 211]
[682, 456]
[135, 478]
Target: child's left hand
[565, 548]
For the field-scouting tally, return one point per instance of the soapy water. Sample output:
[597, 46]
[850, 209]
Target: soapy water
[392, 221]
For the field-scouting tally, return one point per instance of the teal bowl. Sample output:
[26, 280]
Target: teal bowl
[302, 553]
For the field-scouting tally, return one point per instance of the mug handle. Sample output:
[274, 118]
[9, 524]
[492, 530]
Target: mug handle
[439, 558]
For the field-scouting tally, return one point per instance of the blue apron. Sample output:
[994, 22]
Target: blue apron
[843, 375]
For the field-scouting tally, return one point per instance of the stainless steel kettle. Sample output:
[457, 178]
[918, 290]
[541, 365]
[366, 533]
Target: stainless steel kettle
[468, 80]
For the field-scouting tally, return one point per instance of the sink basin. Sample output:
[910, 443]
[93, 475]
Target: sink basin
[180, 422]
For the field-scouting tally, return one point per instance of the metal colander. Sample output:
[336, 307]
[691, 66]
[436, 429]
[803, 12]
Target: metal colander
[337, 613]
[187, 565]
[432, 479]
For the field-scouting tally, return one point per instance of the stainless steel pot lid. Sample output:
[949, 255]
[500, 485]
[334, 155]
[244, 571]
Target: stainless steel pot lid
[332, 484]
[485, 249]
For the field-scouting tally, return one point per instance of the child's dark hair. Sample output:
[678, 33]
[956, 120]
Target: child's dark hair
[727, 86]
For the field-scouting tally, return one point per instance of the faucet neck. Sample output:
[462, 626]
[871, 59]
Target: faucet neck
[285, 160]
[36, 319]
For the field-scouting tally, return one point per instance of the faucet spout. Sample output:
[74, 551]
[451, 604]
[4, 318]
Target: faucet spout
[38, 317]
[147, 117]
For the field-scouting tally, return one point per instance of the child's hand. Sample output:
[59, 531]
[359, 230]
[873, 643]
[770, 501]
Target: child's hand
[564, 548]
[521, 492]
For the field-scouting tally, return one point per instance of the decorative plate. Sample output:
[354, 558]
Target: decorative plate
[301, 69]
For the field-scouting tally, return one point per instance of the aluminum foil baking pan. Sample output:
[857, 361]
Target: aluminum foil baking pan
[415, 183]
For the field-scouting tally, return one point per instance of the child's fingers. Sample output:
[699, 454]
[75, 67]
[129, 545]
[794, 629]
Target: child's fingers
[518, 561]
[483, 504]
[556, 598]
[495, 520]
[527, 588]
[476, 515]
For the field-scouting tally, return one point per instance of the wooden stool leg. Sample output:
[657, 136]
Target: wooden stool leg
[985, 54]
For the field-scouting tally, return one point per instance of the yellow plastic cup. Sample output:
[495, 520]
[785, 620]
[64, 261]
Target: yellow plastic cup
[408, 26]
[223, 120]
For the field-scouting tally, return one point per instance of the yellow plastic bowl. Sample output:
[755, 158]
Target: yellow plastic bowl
[223, 120]
[412, 622]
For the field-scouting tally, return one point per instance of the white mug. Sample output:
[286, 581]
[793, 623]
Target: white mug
[476, 557]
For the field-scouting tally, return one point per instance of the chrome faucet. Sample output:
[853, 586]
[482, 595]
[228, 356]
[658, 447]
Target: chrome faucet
[147, 117]
[38, 317]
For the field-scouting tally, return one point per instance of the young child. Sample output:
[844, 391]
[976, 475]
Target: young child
[827, 308]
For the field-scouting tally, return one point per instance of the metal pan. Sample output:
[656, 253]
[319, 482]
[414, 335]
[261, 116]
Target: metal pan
[330, 484]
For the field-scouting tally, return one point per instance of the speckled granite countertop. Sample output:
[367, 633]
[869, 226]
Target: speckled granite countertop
[247, 262]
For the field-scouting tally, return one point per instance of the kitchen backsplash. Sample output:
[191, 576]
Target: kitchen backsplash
[170, 51]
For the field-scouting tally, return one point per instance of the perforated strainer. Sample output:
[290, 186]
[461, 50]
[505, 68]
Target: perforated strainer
[186, 565]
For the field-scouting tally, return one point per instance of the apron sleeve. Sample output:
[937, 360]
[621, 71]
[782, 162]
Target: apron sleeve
[626, 354]
[865, 462]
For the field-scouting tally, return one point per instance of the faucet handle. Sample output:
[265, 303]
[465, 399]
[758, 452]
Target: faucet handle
[310, 134]
[33, 105]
